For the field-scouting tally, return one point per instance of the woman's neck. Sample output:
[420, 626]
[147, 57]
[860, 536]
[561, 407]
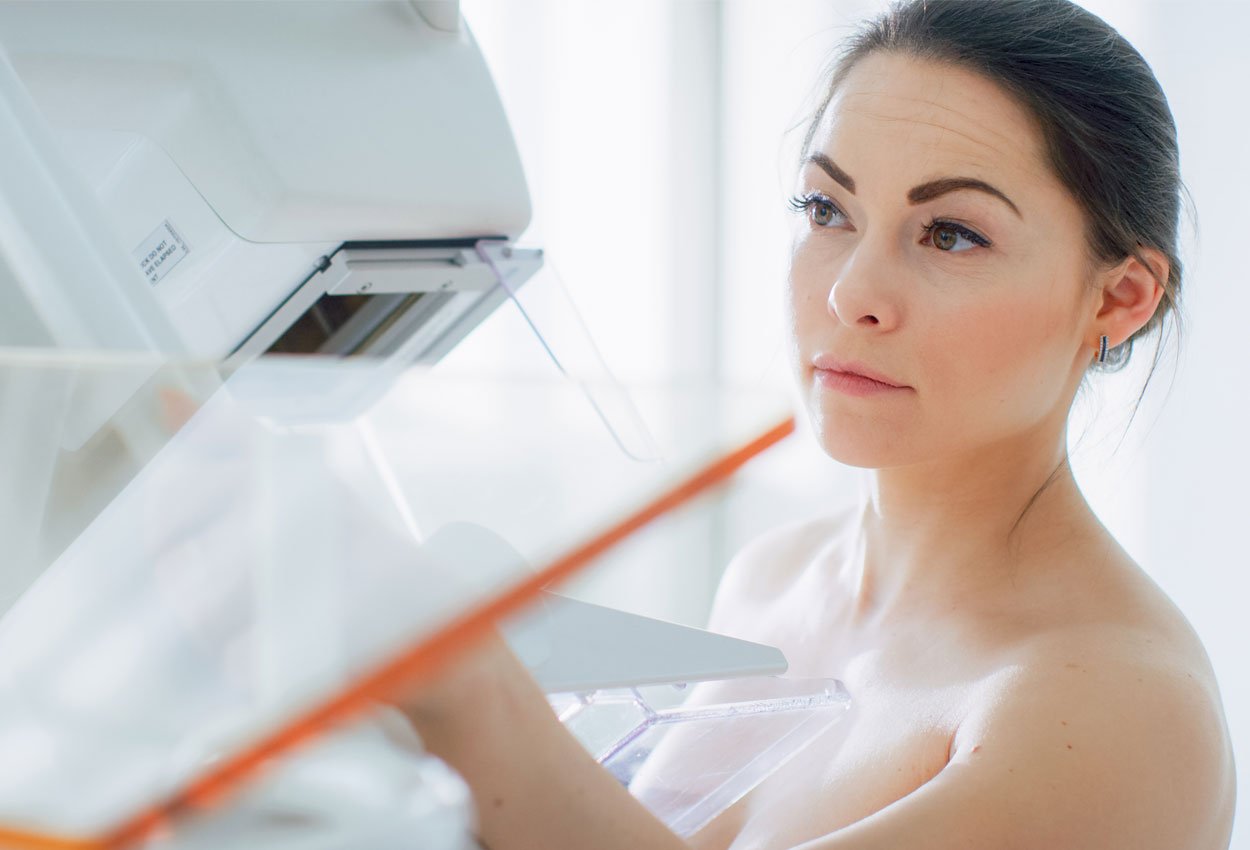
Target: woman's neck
[932, 536]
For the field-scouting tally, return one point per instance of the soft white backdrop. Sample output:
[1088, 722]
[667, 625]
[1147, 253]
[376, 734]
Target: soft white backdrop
[657, 137]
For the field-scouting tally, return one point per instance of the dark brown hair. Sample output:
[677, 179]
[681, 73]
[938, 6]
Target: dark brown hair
[1104, 119]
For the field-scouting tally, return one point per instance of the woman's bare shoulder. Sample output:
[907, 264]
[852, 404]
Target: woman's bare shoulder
[1126, 699]
[768, 564]
[1126, 720]
[1118, 619]
[1082, 732]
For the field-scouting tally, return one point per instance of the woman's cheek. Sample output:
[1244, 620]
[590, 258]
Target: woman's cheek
[1009, 359]
[807, 294]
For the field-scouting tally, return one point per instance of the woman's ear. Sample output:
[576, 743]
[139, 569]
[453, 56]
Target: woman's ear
[1130, 294]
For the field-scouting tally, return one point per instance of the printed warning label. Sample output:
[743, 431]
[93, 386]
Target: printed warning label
[160, 252]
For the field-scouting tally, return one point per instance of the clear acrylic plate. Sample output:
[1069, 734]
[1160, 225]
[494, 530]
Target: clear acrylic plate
[687, 762]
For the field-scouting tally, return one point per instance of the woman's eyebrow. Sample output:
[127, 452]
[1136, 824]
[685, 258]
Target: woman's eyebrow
[919, 194]
[935, 188]
[831, 168]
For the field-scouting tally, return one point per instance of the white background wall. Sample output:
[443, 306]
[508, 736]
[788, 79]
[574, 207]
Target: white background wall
[654, 135]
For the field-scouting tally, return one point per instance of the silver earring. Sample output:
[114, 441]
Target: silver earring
[1102, 349]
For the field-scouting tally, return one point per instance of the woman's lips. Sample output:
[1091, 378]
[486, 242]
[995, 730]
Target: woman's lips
[853, 378]
[853, 384]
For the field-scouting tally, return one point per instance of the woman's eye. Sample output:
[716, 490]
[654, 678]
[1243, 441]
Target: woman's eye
[820, 211]
[953, 238]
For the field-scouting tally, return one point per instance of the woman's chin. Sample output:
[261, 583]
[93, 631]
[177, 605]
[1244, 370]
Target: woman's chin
[861, 456]
[860, 444]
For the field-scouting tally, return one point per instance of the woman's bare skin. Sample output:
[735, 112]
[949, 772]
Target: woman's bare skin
[930, 695]
[1018, 682]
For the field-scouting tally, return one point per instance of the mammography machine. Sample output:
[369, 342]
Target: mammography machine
[249, 490]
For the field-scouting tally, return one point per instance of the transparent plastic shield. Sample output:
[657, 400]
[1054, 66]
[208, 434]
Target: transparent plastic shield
[687, 760]
[549, 312]
[217, 576]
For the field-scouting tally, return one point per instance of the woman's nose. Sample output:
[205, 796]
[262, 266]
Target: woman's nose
[861, 296]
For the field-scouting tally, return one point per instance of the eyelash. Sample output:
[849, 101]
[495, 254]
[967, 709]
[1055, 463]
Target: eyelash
[804, 203]
[971, 235]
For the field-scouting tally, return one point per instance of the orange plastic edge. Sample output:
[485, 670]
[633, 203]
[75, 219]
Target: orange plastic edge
[412, 667]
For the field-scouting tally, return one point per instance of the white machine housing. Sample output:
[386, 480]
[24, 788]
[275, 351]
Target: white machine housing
[243, 150]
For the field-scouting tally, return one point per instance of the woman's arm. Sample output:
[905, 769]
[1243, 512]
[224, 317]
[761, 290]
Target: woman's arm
[1084, 751]
[534, 785]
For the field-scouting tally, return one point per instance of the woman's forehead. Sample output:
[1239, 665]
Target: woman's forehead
[915, 119]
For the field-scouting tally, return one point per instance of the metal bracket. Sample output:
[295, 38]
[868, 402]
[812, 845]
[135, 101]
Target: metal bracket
[421, 300]
[377, 271]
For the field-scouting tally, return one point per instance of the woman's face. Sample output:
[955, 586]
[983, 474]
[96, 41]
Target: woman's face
[936, 250]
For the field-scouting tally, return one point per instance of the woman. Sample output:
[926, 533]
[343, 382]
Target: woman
[988, 200]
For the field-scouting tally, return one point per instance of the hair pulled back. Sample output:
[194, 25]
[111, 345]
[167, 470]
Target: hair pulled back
[1105, 122]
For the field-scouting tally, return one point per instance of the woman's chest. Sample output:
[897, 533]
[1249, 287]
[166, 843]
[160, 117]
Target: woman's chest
[905, 709]
[882, 750]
